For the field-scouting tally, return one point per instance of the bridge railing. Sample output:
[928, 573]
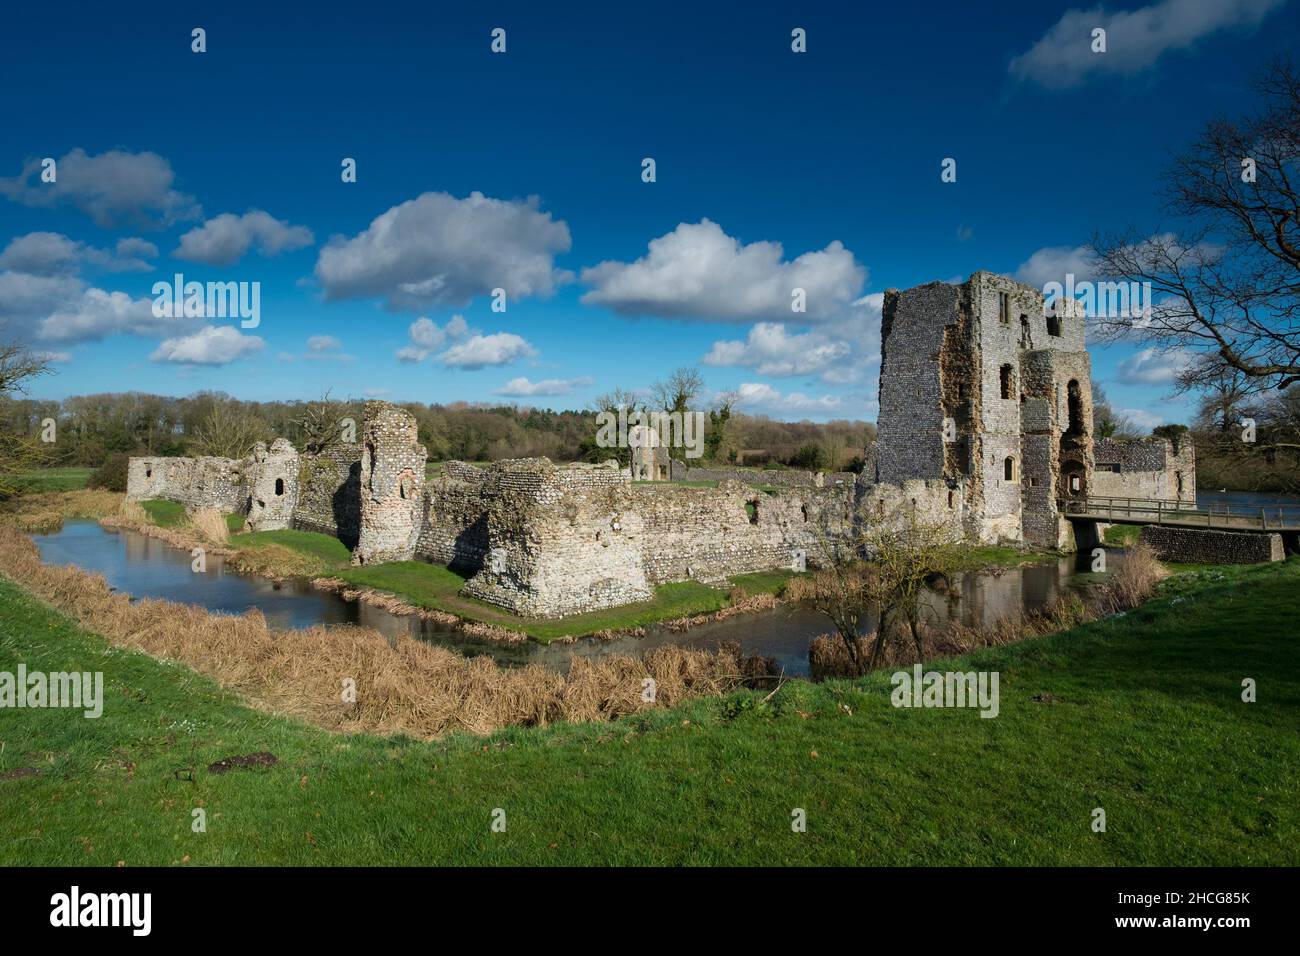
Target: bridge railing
[1267, 517]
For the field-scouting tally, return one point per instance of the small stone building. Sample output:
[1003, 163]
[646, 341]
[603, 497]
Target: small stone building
[1149, 468]
[650, 459]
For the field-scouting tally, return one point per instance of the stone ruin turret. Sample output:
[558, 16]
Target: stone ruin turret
[272, 476]
[392, 485]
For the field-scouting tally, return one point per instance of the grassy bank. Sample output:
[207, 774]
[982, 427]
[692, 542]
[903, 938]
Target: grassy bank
[1145, 720]
[436, 588]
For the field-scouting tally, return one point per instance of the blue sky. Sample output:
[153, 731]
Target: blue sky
[522, 171]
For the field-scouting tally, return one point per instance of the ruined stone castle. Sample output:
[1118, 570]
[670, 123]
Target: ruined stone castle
[986, 401]
[537, 538]
[985, 427]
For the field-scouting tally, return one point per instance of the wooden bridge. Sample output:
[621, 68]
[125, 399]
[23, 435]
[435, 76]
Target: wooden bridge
[1184, 514]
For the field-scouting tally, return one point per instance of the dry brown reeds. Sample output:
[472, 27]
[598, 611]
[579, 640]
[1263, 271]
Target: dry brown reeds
[402, 685]
[1128, 587]
[210, 524]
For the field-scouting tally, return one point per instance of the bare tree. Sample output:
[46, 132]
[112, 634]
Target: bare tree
[679, 390]
[319, 424]
[227, 431]
[904, 554]
[19, 453]
[1227, 287]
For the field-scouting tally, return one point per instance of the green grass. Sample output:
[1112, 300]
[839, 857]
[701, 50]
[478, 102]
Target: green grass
[763, 582]
[234, 522]
[437, 587]
[163, 513]
[328, 550]
[1148, 724]
[53, 479]
[1122, 535]
[990, 556]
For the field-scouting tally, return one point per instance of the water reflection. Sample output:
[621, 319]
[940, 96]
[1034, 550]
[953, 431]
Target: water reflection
[145, 567]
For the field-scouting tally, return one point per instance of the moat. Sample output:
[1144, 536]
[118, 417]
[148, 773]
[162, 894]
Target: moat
[145, 567]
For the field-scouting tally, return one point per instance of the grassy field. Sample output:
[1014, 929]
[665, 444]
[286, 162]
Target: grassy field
[1145, 720]
[53, 479]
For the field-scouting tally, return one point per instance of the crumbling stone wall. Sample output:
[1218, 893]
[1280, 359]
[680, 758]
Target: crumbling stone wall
[560, 540]
[708, 534]
[195, 482]
[272, 477]
[392, 485]
[910, 425]
[783, 477]
[1146, 468]
[329, 493]
[1205, 546]
[454, 525]
[939, 505]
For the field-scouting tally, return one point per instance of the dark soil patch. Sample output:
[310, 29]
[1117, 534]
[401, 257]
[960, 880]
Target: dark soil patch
[227, 764]
[18, 773]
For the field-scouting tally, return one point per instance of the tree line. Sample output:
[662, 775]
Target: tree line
[90, 429]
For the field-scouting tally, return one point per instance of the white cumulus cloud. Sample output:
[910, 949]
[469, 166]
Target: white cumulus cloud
[763, 397]
[481, 351]
[439, 250]
[113, 187]
[52, 253]
[427, 336]
[523, 388]
[1153, 367]
[211, 345]
[224, 240]
[699, 272]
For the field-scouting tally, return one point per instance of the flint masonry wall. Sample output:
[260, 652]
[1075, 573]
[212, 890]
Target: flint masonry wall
[1204, 546]
[329, 493]
[272, 480]
[976, 386]
[392, 486]
[1149, 468]
[909, 430]
[454, 523]
[560, 540]
[195, 482]
[780, 477]
[709, 534]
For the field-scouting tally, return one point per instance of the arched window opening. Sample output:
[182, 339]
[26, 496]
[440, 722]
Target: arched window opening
[1008, 382]
[279, 487]
[1074, 400]
[1009, 469]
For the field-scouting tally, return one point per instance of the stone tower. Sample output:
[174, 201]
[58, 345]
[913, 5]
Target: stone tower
[392, 485]
[272, 476]
[984, 388]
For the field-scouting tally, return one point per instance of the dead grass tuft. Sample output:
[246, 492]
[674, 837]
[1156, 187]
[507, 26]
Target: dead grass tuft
[210, 524]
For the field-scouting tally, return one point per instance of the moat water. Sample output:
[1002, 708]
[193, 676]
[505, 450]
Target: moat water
[145, 567]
